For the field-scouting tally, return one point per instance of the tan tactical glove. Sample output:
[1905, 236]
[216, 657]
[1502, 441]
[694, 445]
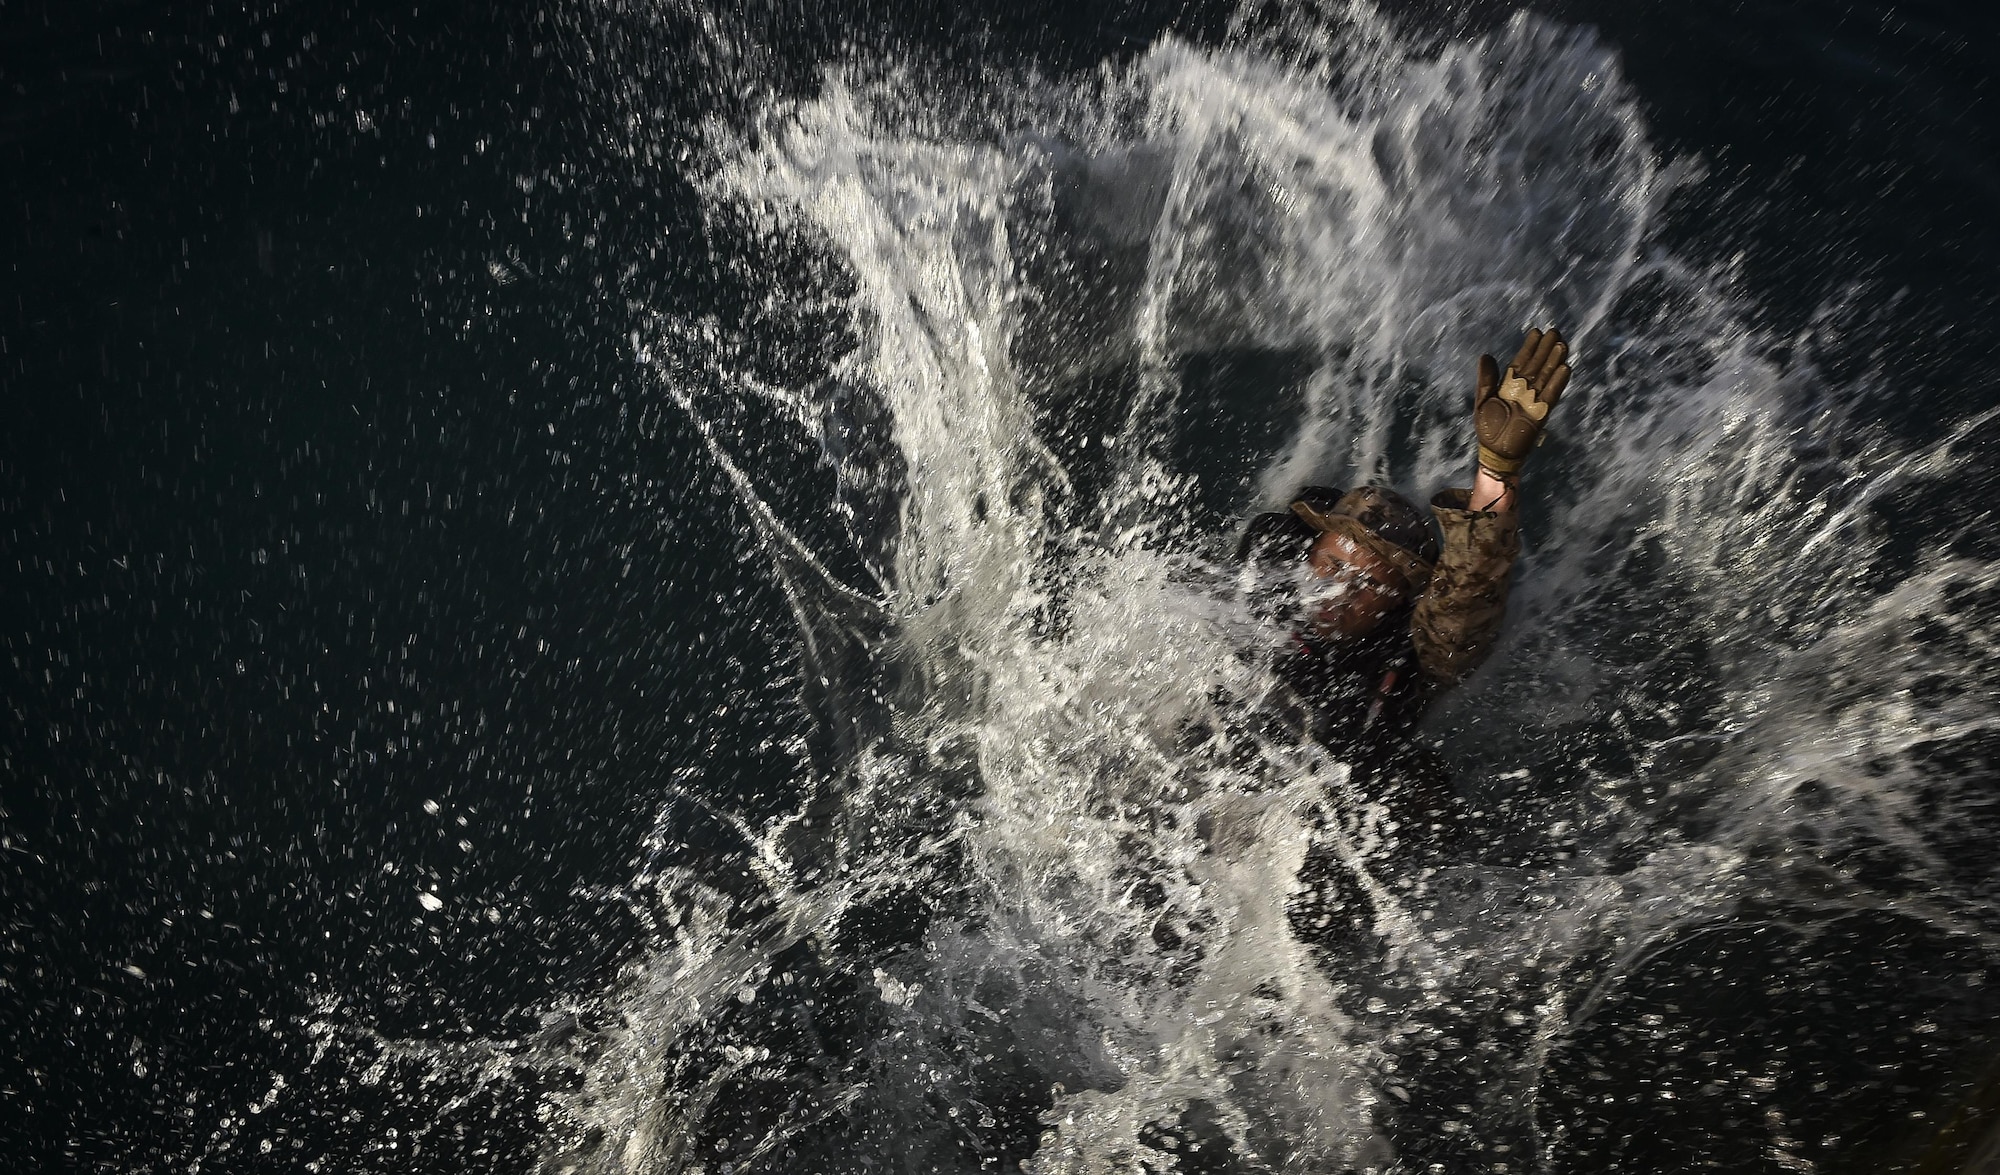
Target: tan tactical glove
[1509, 413]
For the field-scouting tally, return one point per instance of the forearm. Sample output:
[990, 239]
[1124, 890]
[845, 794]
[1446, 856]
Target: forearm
[1458, 618]
[1489, 492]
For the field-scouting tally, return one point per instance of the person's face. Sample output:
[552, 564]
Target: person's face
[1352, 587]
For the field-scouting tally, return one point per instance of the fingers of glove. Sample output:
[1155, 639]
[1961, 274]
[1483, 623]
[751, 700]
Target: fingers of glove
[1556, 383]
[1549, 365]
[1541, 364]
[1489, 378]
[1527, 350]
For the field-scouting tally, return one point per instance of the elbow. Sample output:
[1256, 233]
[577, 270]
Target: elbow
[1447, 666]
[1450, 647]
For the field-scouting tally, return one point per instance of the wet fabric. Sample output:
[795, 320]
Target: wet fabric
[1458, 618]
[1380, 520]
[1362, 697]
[1358, 692]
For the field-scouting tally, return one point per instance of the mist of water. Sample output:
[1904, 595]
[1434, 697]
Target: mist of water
[1025, 916]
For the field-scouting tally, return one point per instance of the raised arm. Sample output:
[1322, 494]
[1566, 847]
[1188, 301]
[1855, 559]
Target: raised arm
[1458, 618]
[1490, 493]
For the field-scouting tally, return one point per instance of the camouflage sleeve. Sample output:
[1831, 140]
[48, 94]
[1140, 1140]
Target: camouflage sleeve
[1458, 617]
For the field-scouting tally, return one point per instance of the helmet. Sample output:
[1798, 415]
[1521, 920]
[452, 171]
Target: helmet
[1380, 519]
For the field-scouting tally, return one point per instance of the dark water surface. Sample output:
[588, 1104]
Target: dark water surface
[367, 618]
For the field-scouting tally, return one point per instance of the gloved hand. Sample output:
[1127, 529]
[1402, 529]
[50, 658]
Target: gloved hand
[1509, 413]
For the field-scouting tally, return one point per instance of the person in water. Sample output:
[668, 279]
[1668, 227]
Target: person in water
[1389, 617]
[1385, 618]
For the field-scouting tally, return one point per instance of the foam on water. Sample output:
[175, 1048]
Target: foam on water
[1054, 928]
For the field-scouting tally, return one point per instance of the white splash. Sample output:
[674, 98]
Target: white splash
[1106, 934]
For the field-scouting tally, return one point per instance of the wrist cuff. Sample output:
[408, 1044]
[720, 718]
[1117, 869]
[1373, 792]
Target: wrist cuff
[1501, 467]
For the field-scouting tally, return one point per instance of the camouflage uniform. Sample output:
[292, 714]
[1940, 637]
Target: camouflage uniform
[1458, 618]
[1358, 695]
[1361, 698]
